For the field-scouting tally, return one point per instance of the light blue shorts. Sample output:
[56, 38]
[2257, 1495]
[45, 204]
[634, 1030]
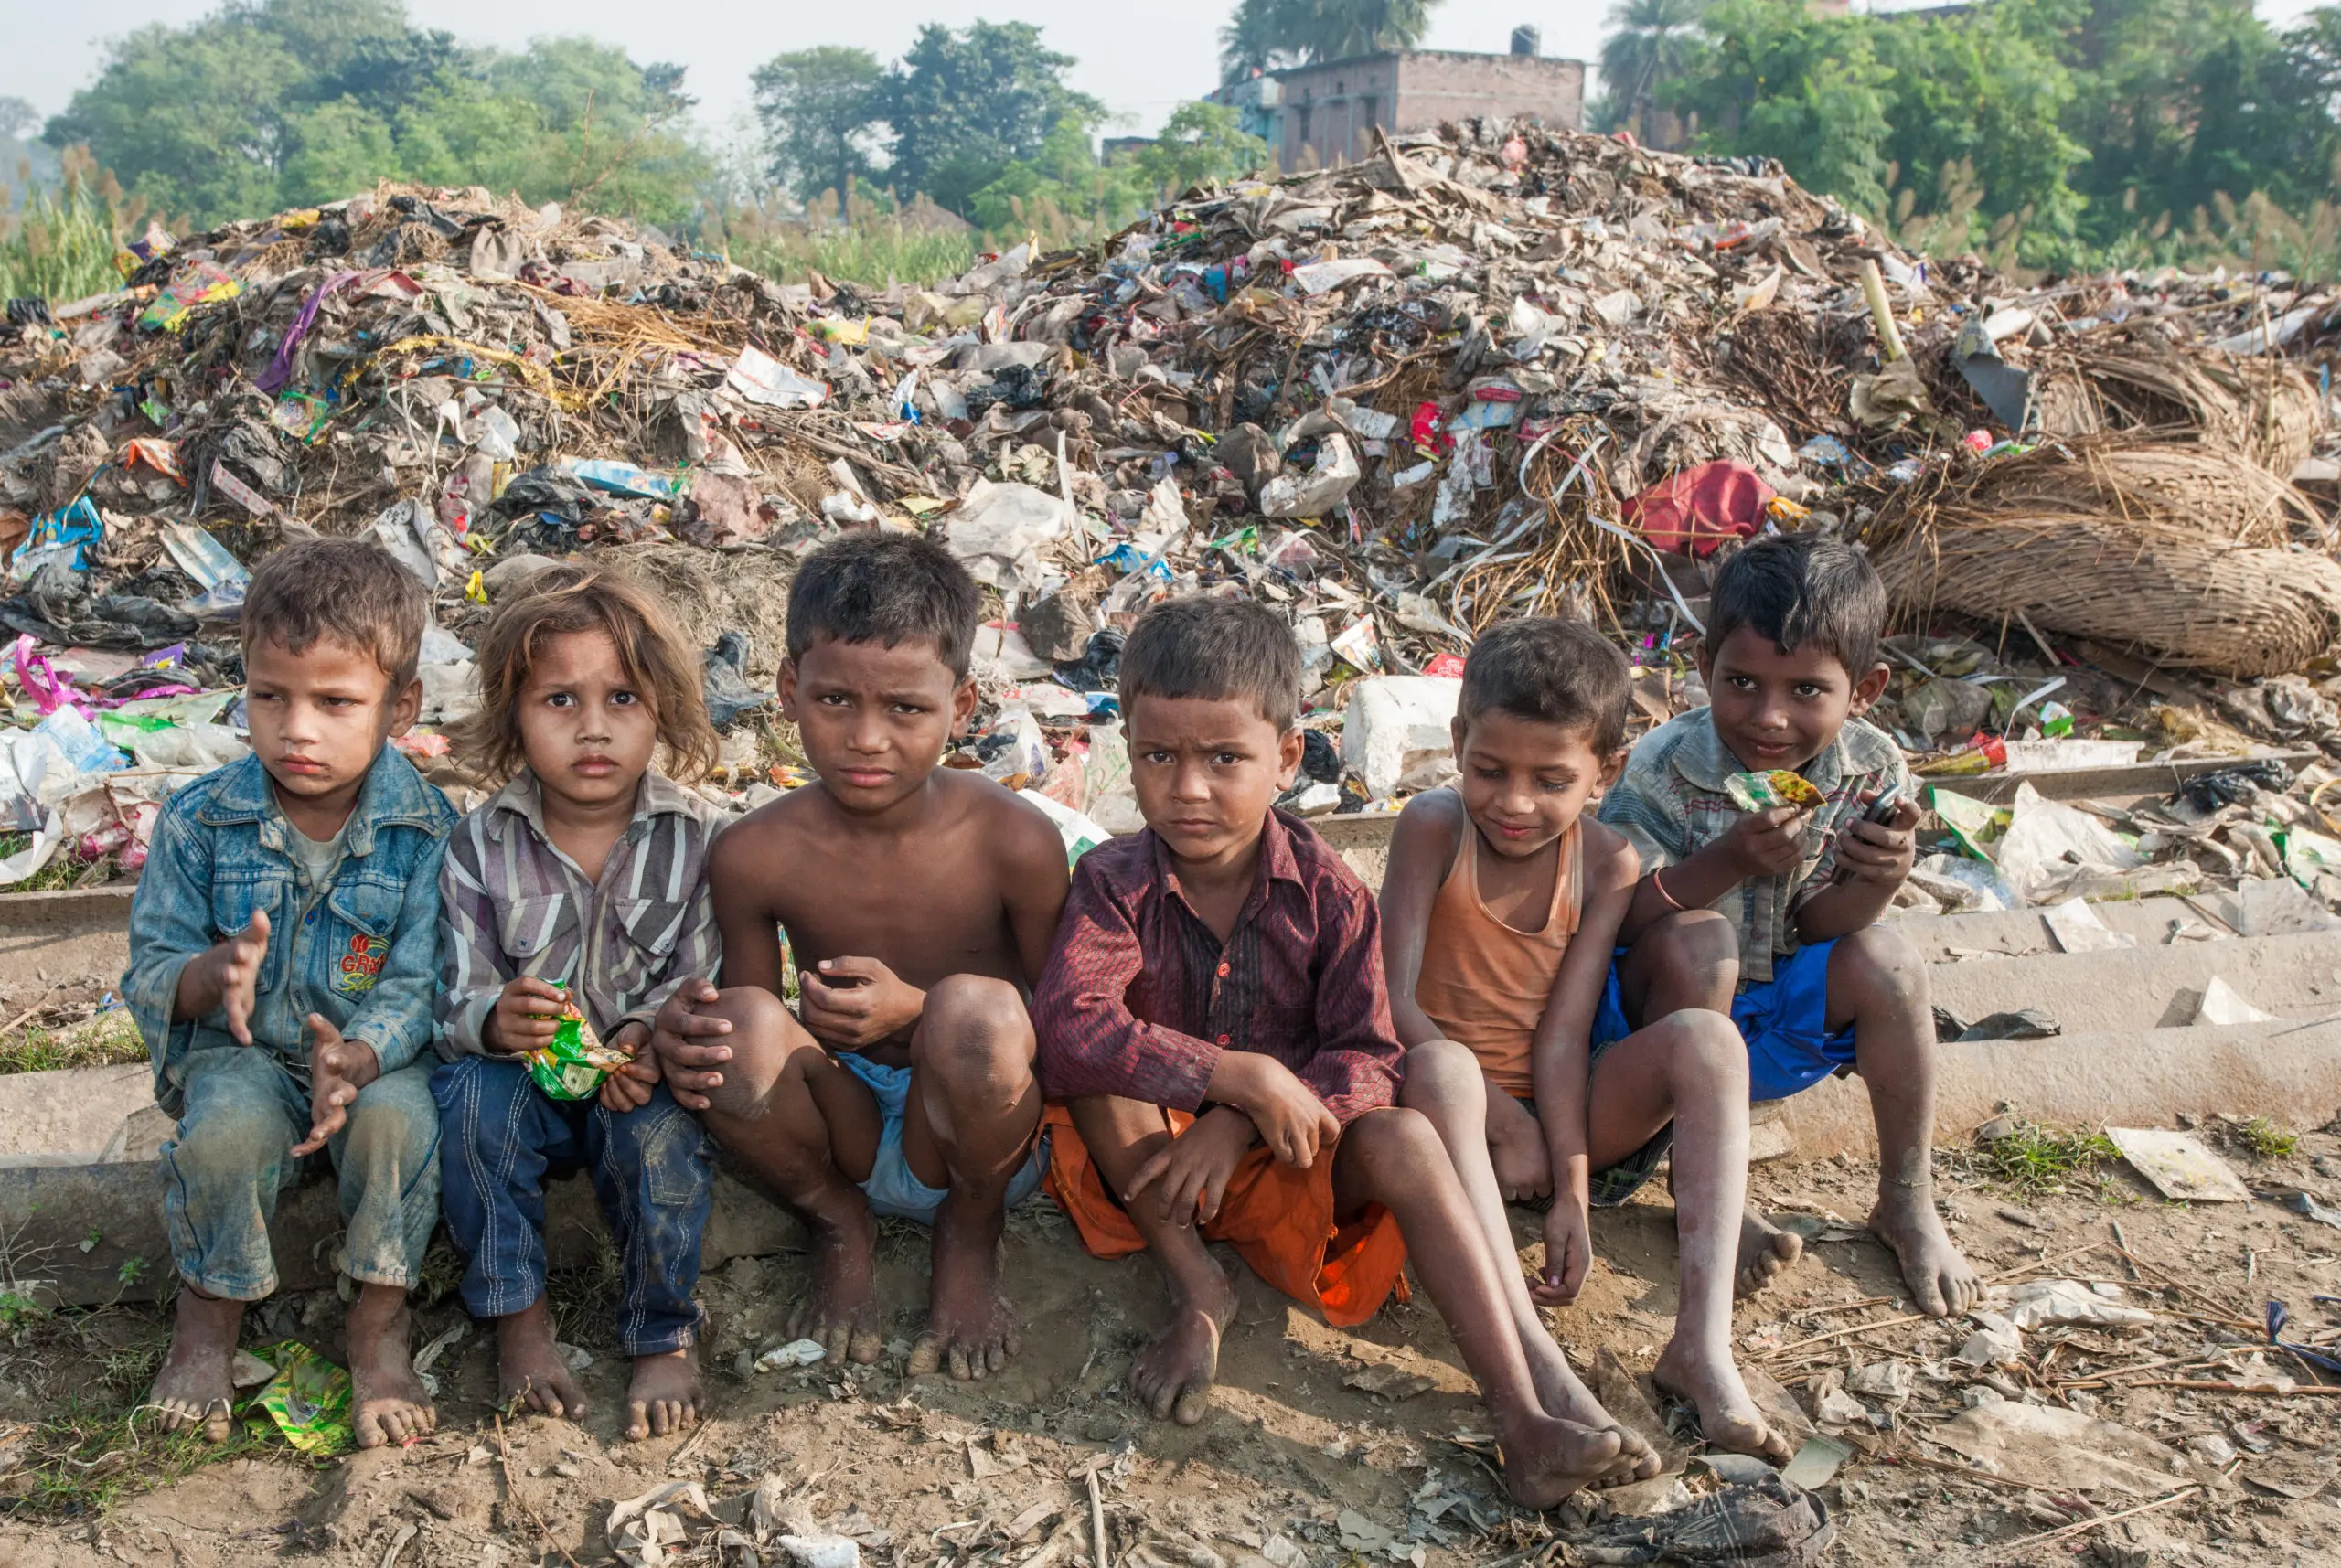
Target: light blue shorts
[893, 1187]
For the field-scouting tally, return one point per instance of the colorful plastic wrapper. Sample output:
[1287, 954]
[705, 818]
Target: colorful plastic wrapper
[573, 1066]
[1762, 792]
[309, 1399]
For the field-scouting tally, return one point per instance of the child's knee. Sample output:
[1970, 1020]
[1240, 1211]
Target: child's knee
[1442, 1074]
[1876, 966]
[975, 1031]
[393, 1124]
[229, 1143]
[766, 1043]
[1690, 942]
[1707, 1056]
[1396, 1137]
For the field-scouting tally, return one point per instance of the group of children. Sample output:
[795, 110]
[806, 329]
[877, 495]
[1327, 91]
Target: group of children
[1583, 962]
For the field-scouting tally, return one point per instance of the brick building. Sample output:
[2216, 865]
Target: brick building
[1315, 115]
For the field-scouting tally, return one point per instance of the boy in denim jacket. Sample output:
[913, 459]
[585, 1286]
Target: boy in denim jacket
[283, 943]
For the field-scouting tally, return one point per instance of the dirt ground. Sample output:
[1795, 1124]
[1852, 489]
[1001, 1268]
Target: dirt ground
[1298, 1463]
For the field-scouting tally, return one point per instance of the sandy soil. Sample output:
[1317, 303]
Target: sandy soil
[1297, 1461]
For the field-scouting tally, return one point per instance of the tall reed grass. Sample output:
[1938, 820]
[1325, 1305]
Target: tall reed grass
[61, 244]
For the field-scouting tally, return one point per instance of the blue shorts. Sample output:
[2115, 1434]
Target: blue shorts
[1784, 1020]
[892, 1187]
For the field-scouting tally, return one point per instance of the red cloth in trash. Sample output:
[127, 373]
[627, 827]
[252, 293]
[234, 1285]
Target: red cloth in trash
[1695, 511]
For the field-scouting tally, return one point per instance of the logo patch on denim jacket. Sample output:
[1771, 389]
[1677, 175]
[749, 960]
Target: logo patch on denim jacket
[361, 964]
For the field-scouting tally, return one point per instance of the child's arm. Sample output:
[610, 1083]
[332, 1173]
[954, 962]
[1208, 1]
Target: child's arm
[1871, 861]
[1355, 1069]
[1034, 885]
[747, 930]
[1422, 848]
[178, 974]
[1092, 1044]
[1761, 844]
[1560, 1060]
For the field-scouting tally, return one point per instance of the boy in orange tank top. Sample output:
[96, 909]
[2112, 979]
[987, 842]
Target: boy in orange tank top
[1499, 914]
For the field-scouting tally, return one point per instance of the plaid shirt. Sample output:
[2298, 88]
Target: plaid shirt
[1672, 804]
[1140, 998]
[512, 905]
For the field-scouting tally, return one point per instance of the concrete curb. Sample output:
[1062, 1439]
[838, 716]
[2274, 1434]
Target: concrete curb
[82, 1234]
[2288, 1072]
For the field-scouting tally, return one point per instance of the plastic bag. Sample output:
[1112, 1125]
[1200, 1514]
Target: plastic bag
[309, 1399]
[1762, 792]
[573, 1066]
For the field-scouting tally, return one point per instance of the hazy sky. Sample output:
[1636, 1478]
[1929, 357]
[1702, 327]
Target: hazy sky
[1142, 57]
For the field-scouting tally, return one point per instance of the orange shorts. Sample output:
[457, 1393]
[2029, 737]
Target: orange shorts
[1280, 1219]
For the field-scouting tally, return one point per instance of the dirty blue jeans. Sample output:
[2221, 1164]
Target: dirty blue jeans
[245, 1109]
[650, 1170]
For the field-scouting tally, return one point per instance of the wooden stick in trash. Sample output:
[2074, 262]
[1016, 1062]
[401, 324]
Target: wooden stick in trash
[1880, 311]
[2082, 1527]
[1098, 1522]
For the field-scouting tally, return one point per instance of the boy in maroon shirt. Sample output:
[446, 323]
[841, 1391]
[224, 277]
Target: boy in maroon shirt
[1215, 1016]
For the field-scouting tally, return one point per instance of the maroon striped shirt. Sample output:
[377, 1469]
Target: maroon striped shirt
[1140, 998]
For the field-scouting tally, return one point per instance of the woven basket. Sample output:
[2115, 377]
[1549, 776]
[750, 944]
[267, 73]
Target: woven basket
[2263, 410]
[2123, 478]
[2183, 599]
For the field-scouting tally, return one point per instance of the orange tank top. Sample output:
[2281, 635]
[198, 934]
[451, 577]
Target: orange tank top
[1484, 983]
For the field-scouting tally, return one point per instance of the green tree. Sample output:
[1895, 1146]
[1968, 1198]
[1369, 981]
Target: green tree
[965, 104]
[820, 111]
[270, 104]
[1266, 34]
[1651, 44]
[1200, 143]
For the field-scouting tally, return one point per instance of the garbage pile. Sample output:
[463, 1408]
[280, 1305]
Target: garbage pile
[1491, 371]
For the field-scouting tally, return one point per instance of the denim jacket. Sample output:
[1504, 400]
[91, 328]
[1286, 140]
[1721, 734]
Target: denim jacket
[365, 955]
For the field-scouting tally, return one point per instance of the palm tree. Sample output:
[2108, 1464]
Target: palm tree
[1649, 45]
[1266, 34]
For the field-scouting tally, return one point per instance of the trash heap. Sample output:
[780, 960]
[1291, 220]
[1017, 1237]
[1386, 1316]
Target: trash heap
[1491, 371]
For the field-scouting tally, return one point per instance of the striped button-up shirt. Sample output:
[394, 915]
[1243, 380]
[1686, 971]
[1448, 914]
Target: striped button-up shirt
[1139, 997]
[1672, 803]
[512, 905]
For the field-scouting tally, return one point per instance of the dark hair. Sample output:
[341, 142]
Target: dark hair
[1554, 670]
[1216, 649]
[1803, 591]
[562, 600]
[351, 591]
[874, 586]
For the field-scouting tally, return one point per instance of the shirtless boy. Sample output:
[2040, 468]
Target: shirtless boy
[918, 902]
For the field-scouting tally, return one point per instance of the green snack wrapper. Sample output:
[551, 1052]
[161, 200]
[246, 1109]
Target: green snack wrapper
[573, 1066]
[1762, 792]
[309, 1399]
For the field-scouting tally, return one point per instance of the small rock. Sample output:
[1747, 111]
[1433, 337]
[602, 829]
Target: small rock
[2211, 1449]
[1994, 1343]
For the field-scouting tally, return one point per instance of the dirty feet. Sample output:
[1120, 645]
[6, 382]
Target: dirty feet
[1563, 1398]
[968, 1330]
[1545, 1460]
[665, 1395]
[1940, 1280]
[194, 1388]
[1173, 1377]
[836, 1311]
[529, 1368]
[1727, 1416]
[1766, 1252]
[388, 1403]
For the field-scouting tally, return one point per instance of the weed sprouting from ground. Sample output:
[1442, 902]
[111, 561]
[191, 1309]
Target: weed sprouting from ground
[111, 1037]
[2266, 1139]
[2034, 1159]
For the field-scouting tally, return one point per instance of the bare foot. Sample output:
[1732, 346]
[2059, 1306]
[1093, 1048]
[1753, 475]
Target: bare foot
[665, 1395]
[1766, 1252]
[968, 1328]
[194, 1388]
[1938, 1277]
[388, 1403]
[1173, 1375]
[1545, 1460]
[836, 1309]
[1565, 1398]
[529, 1367]
[1727, 1416]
